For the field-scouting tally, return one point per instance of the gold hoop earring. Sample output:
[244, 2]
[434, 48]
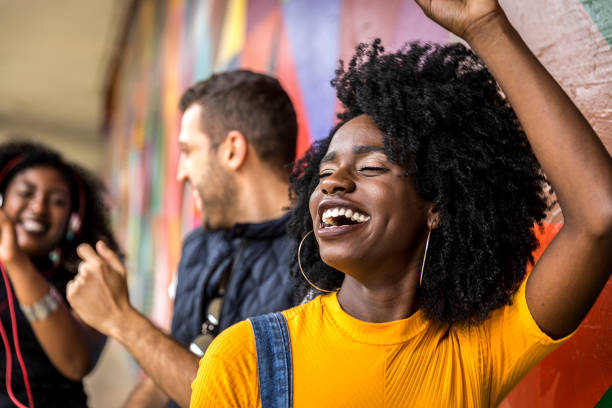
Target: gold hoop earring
[424, 257]
[302, 270]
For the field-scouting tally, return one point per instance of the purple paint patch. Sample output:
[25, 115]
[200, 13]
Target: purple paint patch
[313, 31]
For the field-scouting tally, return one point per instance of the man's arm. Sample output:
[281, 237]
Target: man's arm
[147, 395]
[99, 295]
[171, 366]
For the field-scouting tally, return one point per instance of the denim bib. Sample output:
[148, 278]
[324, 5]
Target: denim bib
[274, 362]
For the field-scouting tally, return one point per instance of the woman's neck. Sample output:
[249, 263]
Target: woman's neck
[384, 303]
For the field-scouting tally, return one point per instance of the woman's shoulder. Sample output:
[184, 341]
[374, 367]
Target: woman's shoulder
[227, 375]
[235, 340]
[308, 309]
[240, 338]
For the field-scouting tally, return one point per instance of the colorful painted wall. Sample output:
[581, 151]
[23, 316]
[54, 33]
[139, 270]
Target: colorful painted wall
[172, 43]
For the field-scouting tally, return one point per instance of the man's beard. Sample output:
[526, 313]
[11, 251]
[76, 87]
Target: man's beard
[218, 196]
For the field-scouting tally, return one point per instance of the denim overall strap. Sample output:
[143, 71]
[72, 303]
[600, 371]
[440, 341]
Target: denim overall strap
[274, 362]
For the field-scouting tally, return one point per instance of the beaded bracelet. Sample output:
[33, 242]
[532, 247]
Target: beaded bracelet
[44, 307]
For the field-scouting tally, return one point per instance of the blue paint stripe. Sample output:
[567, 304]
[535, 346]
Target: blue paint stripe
[200, 38]
[313, 30]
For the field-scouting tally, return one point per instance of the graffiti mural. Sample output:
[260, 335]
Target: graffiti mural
[172, 43]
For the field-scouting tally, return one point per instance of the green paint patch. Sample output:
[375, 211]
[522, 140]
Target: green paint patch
[601, 14]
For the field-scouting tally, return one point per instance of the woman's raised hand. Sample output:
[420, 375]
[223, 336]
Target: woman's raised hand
[9, 249]
[462, 17]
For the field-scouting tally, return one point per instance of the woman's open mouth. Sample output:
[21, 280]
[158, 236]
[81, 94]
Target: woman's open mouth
[33, 226]
[339, 220]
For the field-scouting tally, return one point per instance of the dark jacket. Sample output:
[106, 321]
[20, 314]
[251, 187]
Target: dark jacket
[259, 281]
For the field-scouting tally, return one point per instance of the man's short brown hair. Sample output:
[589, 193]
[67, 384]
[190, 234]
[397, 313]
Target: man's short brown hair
[255, 105]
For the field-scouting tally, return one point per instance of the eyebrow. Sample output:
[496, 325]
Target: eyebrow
[53, 190]
[328, 157]
[362, 149]
[357, 150]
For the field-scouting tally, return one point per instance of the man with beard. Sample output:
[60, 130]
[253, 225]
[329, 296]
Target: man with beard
[238, 135]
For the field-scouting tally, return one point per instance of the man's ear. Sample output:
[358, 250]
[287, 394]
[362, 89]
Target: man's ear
[433, 217]
[235, 148]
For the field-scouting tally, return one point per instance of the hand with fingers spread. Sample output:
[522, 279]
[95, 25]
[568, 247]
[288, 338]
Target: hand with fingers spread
[99, 292]
[461, 16]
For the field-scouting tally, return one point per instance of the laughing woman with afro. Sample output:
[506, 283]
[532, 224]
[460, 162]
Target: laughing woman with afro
[48, 207]
[417, 213]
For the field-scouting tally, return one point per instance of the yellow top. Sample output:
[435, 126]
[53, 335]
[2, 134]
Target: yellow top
[339, 361]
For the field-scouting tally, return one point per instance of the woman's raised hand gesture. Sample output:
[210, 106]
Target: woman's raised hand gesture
[9, 249]
[576, 265]
[462, 17]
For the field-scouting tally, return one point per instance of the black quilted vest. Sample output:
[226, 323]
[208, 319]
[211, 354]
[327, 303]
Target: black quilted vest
[259, 282]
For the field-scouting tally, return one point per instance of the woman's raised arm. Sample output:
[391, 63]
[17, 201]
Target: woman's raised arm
[575, 267]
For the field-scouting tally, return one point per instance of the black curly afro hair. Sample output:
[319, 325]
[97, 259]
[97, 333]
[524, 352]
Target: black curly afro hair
[445, 120]
[17, 156]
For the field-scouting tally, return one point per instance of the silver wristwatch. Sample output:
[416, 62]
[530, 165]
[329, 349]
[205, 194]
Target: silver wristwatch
[44, 307]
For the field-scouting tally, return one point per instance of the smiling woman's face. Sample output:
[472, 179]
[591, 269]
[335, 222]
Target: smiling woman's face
[366, 213]
[37, 200]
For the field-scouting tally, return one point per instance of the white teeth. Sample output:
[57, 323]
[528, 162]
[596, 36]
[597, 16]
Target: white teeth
[33, 226]
[329, 216]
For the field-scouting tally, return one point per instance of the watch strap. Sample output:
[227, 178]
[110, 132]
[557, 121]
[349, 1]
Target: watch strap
[41, 309]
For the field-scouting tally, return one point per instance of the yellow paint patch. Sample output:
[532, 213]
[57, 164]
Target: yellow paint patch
[234, 33]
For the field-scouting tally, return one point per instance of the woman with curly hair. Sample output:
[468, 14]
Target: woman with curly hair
[48, 208]
[417, 213]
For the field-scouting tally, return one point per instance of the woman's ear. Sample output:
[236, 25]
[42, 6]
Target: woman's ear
[235, 149]
[433, 217]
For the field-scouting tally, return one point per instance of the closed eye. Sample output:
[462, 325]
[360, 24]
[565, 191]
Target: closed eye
[59, 201]
[372, 171]
[25, 193]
